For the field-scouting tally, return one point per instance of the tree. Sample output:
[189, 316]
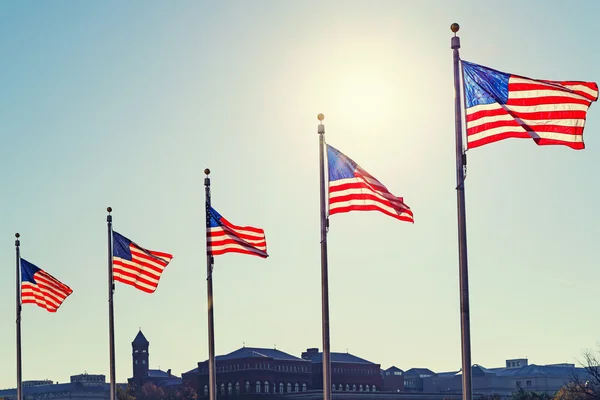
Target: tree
[588, 388]
[522, 394]
[149, 391]
[126, 394]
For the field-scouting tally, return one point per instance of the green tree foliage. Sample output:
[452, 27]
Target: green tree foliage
[527, 395]
[126, 394]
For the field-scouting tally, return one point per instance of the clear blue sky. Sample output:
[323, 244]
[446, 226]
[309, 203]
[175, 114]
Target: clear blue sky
[124, 104]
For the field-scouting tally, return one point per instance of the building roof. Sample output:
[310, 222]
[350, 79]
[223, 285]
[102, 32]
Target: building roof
[316, 357]
[557, 370]
[393, 368]
[158, 373]
[257, 352]
[418, 371]
[140, 340]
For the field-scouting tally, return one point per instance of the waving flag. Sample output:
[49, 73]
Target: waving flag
[351, 188]
[501, 106]
[224, 237]
[41, 288]
[136, 266]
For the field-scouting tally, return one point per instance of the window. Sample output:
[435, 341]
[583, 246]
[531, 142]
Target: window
[304, 387]
[296, 388]
[289, 387]
[374, 388]
[397, 373]
[354, 388]
[528, 383]
[229, 389]
[237, 388]
[266, 387]
[223, 389]
[257, 386]
[281, 387]
[367, 388]
[360, 388]
[247, 386]
[206, 390]
[518, 383]
[347, 387]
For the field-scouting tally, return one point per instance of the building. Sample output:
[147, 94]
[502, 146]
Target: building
[80, 387]
[348, 372]
[413, 379]
[140, 353]
[393, 379]
[253, 370]
[503, 381]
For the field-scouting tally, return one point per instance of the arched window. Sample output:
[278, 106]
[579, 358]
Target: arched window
[360, 388]
[247, 386]
[206, 390]
[374, 388]
[347, 387]
[367, 388]
[229, 389]
[296, 388]
[266, 387]
[304, 387]
[257, 386]
[354, 388]
[237, 388]
[333, 387]
[289, 387]
[281, 387]
[223, 389]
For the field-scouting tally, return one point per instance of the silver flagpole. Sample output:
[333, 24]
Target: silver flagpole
[324, 275]
[111, 316]
[461, 162]
[18, 298]
[212, 377]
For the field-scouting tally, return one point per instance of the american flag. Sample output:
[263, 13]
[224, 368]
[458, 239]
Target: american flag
[501, 106]
[351, 188]
[136, 266]
[41, 288]
[224, 237]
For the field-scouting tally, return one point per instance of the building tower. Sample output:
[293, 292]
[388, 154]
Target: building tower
[140, 355]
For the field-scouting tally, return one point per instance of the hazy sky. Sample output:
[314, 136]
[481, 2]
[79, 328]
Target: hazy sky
[124, 104]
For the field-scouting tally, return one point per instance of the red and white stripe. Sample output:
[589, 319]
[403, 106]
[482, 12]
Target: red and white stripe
[143, 271]
[229, 238]
[48, 293]
[550, 112]
[365, 193]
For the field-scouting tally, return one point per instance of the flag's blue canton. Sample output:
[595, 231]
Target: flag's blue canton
[484, 85]
[214, 218]
[121, 247]
[28, 270]
[340, 165]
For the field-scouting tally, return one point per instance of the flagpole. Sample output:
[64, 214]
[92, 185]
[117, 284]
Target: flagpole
[18, 303]
[212, 377]
[324, 275]
[461, 162]
[111, 317]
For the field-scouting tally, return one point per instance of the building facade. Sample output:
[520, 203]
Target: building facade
[517, 374]
[393, 379]
[80, 387]
[140, 354]
[253, 370]
[348, 372]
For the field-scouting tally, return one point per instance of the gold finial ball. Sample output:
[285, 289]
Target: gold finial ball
[207, 171]
[454, 27]
[320, 117]
[109, 209]
[17, 235]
